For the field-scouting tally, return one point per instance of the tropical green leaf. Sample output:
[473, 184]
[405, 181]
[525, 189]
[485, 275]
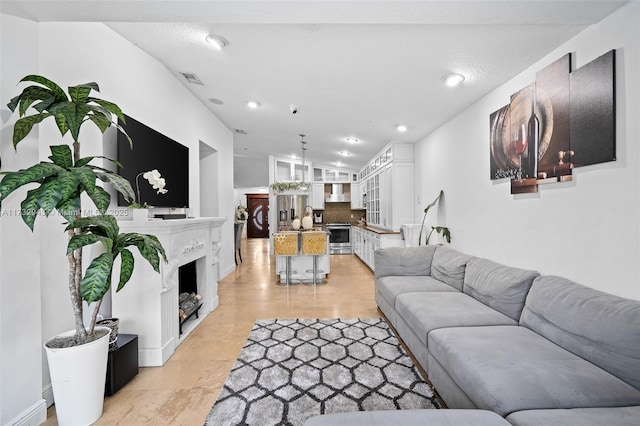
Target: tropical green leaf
[426, 210]
[102, 122]
[49, 195]
[111, 107]
[61, 155]
[61, 122]
[105, 225]
[126, 267]
[69, 207]
[23, 126]
[57, 90]
[100, 198]
[119, 183]
[79, 94]
[74, 115]
[33, 94]
[68, 183]
[433, 203]
[124, 132]
[13, 103]
[45, 104]
[86, 176]
[96, 280]
[82, 240]
[150, 254]
[35, 173]
[29, 208]
[83, 161]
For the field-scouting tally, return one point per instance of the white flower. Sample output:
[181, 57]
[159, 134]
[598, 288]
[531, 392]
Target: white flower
[155, 180]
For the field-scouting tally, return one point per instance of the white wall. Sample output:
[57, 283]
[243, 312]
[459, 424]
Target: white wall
[585, 230]
[74, 53]
[20, 340]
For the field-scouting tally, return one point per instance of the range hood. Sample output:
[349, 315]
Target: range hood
[337, 194]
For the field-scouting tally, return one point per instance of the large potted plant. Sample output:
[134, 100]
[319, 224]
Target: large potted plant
[58, 185]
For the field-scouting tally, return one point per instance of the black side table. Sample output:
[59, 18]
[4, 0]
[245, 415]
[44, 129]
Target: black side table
[122, 363]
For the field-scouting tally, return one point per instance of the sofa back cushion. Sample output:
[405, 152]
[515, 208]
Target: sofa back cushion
[502, 287]
[412, 261]
[602, 328]
[449, 265]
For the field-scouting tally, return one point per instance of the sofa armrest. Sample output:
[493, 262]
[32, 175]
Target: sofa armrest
[404, 261]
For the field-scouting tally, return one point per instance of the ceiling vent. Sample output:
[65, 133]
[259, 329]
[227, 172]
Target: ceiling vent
[192, 78]
[240, 131]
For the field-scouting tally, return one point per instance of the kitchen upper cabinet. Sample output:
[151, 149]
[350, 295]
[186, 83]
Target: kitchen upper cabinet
[288, 170]
[317, 196]
[329, 175]
[356, 196]
[389, 187]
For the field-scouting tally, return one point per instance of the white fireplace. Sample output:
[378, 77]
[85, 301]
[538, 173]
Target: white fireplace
[148, 304]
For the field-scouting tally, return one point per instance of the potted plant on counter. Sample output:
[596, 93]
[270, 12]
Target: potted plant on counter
[77, 359]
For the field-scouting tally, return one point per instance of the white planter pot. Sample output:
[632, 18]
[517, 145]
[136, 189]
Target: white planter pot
[140, 215]
[78, 376]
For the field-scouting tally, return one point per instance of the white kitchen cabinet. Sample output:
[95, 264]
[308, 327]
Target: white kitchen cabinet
[356, 196]
[288, 170]
[317, 196]
[367, 241]
[389, 183]
[330, 175]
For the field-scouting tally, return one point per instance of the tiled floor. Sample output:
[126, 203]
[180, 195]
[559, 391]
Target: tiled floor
[184, 389]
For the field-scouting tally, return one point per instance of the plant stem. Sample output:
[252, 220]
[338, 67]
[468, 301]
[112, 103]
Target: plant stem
[75, 273]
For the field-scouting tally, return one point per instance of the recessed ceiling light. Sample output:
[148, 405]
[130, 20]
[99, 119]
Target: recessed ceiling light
[217, 42]
[453, 79]
[345, 153]
[352, 140]
[401, 128]
[293, 156]
[253, 104]
[215, 101]
[339, 164]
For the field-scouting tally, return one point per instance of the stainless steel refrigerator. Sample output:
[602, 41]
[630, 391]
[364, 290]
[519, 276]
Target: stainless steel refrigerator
[290, 206]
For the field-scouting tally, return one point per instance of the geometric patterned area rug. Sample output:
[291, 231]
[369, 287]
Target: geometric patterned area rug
[293, 369]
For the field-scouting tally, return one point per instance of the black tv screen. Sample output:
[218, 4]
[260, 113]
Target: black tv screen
[153, 150]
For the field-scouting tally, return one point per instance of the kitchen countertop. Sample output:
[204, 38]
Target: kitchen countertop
[377, 230]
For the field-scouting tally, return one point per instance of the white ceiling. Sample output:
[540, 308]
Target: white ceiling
[354, 68]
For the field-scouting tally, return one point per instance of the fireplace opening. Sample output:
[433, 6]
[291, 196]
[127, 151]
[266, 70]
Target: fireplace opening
[189, 301]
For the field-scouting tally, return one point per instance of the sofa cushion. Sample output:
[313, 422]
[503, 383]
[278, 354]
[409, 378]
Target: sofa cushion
[504, 288]
[507, 369]
[599, 327]
[391, 287]
[424, 312]
[409, 418]
[614, 416]
[449, 265]
[403, 261]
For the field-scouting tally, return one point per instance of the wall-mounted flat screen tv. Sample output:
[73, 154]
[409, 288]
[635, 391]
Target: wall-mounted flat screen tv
[153, 150]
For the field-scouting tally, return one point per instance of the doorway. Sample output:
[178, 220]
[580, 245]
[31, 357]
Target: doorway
[258, 220]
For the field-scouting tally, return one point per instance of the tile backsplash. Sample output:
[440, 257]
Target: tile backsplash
[341, 212]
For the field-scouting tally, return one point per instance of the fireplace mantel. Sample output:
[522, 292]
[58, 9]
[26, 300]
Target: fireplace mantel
[148, 305]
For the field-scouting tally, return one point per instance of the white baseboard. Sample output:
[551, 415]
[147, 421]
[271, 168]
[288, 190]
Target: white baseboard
[47, 394]
[227, 271]
[34, 416]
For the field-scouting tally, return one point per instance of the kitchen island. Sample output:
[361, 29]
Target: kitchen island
[296, 245]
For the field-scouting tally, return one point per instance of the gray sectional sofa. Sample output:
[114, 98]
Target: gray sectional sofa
[535, 350]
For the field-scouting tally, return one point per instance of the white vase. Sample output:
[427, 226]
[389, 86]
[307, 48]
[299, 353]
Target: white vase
[78, 377]
[295, 224]
[307, 222]
[140, 215]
